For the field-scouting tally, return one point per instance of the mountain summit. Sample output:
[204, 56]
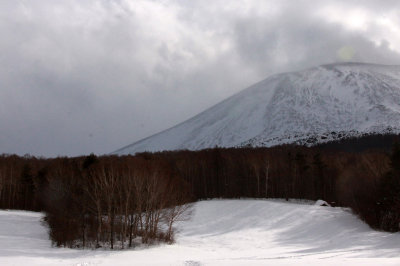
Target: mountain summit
[311, 106]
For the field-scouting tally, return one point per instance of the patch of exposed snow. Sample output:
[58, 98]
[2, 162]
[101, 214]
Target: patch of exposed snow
[322, 203]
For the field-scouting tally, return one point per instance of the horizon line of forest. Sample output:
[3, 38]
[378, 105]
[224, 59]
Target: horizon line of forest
[118, 201]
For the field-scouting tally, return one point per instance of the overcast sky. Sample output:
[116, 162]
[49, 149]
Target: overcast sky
[92, 76]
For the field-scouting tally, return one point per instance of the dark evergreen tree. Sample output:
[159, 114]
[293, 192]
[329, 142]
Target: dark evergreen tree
[27, 187]
[390, 194]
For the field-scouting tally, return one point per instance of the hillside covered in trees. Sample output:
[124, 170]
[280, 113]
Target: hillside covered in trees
[116, 201]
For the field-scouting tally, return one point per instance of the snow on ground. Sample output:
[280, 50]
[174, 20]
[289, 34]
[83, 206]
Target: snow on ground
[222, 232]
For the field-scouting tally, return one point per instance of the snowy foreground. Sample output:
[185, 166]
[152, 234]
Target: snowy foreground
[222, 232]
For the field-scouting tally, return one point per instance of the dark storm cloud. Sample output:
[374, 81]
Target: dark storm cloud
[92, 76]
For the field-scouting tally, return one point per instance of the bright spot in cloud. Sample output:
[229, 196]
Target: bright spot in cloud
[352, 19]
[356, 19]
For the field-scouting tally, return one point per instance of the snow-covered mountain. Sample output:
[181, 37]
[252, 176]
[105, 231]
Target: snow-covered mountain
[306, 107]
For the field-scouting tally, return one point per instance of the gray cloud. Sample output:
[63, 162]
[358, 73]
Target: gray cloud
[91, 76]
[295, 39]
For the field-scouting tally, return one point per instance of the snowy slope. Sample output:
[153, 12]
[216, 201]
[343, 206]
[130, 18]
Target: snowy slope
[310, 106]
[222, 232]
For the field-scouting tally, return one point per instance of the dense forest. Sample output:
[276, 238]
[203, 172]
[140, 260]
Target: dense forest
[117, 201]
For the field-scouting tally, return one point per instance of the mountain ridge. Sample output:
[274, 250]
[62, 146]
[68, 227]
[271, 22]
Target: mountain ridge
[311, 106]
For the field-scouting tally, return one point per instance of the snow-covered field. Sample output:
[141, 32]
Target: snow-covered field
[222, 232]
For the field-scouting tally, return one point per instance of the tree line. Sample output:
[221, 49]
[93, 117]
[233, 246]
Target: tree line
[118, 201]
[94, 202]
